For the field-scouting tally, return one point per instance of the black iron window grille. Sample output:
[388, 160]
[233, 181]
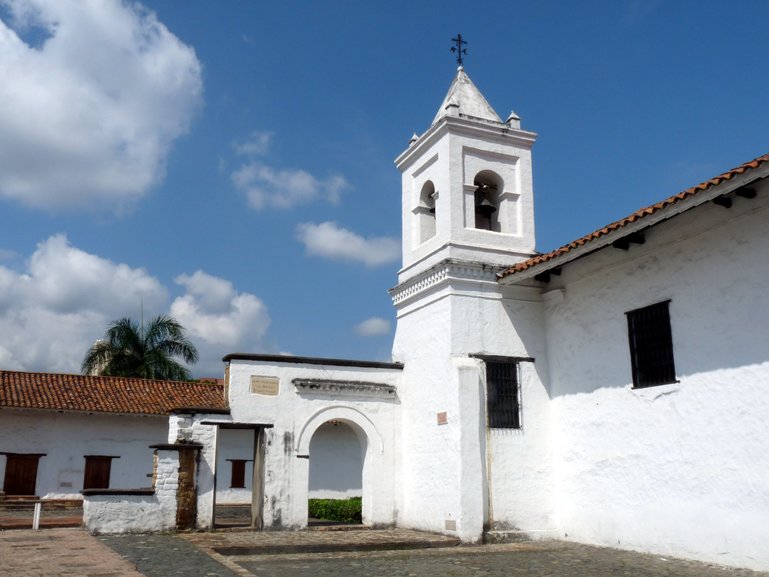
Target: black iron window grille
[651, 345]
[502, 395]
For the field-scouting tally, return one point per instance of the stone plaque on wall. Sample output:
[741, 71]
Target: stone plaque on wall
[264, 385]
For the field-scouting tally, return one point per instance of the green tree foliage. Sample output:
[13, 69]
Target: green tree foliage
[130, 350]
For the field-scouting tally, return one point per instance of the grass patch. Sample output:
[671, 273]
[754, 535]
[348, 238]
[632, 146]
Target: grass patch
[343, 510]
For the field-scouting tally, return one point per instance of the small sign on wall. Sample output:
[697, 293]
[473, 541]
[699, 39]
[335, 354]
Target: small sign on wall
[443, 418]
[264, 385]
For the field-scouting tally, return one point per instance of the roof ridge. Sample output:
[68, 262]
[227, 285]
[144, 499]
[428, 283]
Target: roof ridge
[79, 375]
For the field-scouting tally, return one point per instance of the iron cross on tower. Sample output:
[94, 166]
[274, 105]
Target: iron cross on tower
[458, 48]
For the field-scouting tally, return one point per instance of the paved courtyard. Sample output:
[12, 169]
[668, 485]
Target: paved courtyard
[72, 552]
[59, 553]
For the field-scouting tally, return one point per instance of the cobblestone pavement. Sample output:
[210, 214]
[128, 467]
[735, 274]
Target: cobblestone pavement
[542, 559]
[59, 553]
[532, 559]
[72, 552]
[166, 555]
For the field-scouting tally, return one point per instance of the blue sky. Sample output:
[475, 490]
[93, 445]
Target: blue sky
[232, 163]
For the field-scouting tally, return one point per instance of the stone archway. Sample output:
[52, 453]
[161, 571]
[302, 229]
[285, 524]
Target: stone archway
[372, 450]
[337, 452]
[336, 462]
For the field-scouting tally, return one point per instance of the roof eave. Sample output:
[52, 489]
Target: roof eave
[736, 182]
[84, 412]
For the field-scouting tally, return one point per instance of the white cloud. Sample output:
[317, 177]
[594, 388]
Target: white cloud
[219, 319]
[257, 144]
[329, 240]
[51, 312]
[373, 327]
[95, 103]
[266, 186]
[64, 298]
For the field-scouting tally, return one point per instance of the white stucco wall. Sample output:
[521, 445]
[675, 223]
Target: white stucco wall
[429, 463]
[137, 513]
[447, 469]
[66, 437]
[678, 469]
[518, 461]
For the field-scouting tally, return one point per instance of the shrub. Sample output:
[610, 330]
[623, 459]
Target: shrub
[344, 510]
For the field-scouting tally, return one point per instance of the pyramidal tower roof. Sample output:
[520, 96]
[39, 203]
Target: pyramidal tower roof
[465, 95]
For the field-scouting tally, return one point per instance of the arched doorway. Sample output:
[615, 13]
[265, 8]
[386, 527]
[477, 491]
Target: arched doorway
[337, 455]
[376, 473]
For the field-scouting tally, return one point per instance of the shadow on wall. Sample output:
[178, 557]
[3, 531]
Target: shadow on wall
[528, 320]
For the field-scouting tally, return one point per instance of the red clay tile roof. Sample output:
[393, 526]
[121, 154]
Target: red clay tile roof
[21, 390]
[636, 216]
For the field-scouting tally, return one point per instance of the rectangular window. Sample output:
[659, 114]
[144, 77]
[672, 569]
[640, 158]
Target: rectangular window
[238, 479]
[502, 406]
[97, 472]
[651, 345]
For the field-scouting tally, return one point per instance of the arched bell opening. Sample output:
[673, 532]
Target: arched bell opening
[487, 187]
[425, 212]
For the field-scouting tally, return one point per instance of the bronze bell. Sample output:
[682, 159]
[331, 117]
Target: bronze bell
[486, 207]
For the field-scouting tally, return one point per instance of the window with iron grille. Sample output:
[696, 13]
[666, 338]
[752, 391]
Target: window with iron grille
[651, 345]
[502, 406]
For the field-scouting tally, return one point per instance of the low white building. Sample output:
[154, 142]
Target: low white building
[61, 434]
[612, 391]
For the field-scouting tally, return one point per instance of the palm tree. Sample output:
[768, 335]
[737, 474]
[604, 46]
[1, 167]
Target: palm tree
[129, 350]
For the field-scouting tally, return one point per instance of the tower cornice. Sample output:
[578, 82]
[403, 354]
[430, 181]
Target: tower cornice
[443, 272]
[467, 126]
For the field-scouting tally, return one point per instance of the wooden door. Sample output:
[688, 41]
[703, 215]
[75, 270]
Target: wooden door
[20, 474]
[97, 470]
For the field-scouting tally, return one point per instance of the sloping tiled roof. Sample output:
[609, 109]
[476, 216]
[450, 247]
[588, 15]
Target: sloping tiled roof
[636, 216]
[49, 391]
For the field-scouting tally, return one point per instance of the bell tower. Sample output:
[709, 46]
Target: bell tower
[467, 186]
[468, 213]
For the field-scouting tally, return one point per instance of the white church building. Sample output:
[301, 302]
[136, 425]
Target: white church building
[614, 391]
